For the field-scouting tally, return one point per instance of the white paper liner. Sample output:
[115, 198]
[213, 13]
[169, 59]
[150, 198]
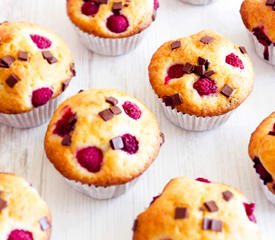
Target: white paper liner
[259, 48]
[110, 46]
[198, 2]
[33, 118]
[101, 193]
[192, 122]
[269, 195]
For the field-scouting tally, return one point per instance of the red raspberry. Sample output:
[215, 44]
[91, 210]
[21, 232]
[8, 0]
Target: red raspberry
[234, 61]
[203, 180]
[41, 96]
[249, 209]
[20, 235]
[41, 42]
[205, 86]
[132, 110]
[130, 143]
[175, 71]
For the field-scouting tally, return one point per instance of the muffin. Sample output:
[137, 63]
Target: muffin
[111, 27]
[262, 153]
[23, 214]
[36, 66]
[201, 79]
[199, 2]
[189, 209]
[259, 17]
[100, 140]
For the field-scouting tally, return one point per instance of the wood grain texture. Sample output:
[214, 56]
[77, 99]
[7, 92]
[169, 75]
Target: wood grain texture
[220, 155]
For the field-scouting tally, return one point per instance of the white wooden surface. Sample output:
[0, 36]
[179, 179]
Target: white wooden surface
[220, 155]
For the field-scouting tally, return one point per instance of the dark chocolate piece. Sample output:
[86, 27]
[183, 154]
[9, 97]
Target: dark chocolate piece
[117, 143]
[115, 110]
[200, 70]
[154, 15]
[227, 90]
[188, 68]
[112, 100]
[227, 195]
[202, 61]
[270, 2]
[106, 115]
[181, 213]
[243, 50]
[208, 74]
[65, 84]
[12, 80]
[3, 204]
[272, 133]
[6, 61]
[117, 6]
[173, 100]
[47, 55]
[134, 228]
[212, 225]
[206, 40]
[211, 206]
[73, 69]
[44, 224]
[67, 140]
[175, 44]
[23, 56]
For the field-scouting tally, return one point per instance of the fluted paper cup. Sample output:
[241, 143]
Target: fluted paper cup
[33, 118]
[269, 195]
[260, 49]
[101, 193]
[192, 122]
[110, 46]
[198, 2]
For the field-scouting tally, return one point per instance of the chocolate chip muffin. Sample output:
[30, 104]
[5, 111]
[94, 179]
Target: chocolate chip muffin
[262, 153]
[111, 27]
[36, 66]
[196, 210]
[200, 79]
[259, 17]
[23, 214]
[102, 139]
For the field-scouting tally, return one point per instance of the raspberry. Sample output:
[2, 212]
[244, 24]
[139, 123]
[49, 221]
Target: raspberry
[205, 86]
[234, 61]
[90, 158]
[20, 235]
[249, 209]
[156, 4]
[203, 180]
[132, 110]
[90, 8]
[41, 42]
[41, 96]
[175, 71]
[130, 143]
[117, 23]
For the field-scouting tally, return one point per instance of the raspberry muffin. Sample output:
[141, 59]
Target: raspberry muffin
[259, 17]
[189, 209]
[200, 79]
[23, 214]
[100, 140]
[36, 66]
[199, 2]
[111, 27]
[262, 153]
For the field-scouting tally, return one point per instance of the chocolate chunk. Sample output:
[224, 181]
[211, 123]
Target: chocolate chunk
[173, 100]
[103, 1]
[202, 61]
[134, 228]
[106, 115]
[49, 57]
[117, 6]
[207, 64]
[6, 61]
[211, 206]
[270, 2]
[162, 136]
[126, 5]
[115, 110]
[117, 143]
[67, 140]
[227, 195]
[272, 133]
[206, 40]
[80, 91]
[65, 84]
[212, 224]
[227, 90]
[73, 69]
[175, 45]
[23, 56]
[44, 224]
[181, 213]
[208, 74]
[3, 204]
[154, 16]
[200, 70]
[243, 50]
[188, 68]
[12, 80]
[112, 100]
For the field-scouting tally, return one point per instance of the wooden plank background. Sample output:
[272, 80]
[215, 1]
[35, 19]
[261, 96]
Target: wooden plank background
[220, 155]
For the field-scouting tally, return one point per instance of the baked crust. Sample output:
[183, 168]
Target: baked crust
[34, 73]
[91, 130]
[255, 13]
[262, 145]
[24, 210]
[139, 14]
[242, 81]
[158, 222]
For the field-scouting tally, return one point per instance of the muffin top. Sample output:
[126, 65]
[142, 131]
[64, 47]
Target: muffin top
[112, 18]
[102, 137]
[189, 209]
[204, 74]
[35, 66]
[23, 214]
[259, 17]
[262, 151]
